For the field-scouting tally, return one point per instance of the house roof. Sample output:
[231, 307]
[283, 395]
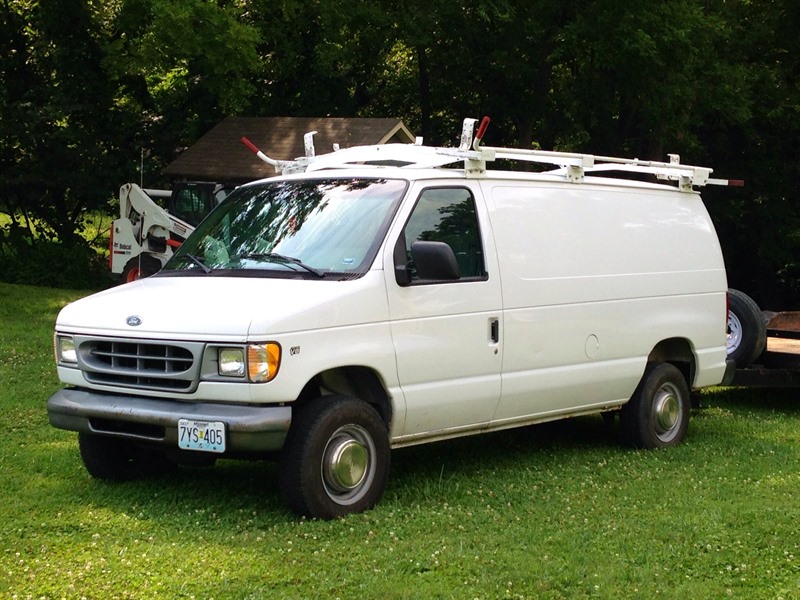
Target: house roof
[220, 155]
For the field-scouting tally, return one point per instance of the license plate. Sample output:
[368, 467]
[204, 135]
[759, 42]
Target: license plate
[205, 436]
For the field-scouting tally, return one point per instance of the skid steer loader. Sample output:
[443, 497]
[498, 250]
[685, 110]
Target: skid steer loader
[143, 237]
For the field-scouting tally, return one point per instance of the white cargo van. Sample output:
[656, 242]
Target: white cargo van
[370, 298]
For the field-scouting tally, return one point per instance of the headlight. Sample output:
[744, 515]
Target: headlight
[231, 362]
[65, 350]
[258, 362]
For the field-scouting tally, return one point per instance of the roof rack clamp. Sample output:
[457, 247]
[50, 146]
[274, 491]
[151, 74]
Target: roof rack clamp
[475, 162]
[575, 173]
[474, 168]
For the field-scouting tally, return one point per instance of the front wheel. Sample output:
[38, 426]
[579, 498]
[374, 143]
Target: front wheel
[336, 458]
[657, 414]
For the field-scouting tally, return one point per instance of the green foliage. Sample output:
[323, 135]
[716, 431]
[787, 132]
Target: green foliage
[54, 264]
[79, 102]
[81, 105]
[547, 512]
[760, 225]
[320, 58]
[636, 76]
[181, 66]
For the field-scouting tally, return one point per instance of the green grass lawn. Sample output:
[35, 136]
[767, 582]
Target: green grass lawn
[552, 511]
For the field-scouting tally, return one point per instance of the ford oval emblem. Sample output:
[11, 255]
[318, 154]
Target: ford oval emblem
[133, 321]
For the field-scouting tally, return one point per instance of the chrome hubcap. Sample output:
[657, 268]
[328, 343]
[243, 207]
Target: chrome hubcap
[667, 411]
[734, 333]
[347, 464]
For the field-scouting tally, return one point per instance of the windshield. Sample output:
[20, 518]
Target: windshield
[318, 228]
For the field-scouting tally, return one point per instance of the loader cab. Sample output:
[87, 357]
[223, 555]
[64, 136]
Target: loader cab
[191, 201]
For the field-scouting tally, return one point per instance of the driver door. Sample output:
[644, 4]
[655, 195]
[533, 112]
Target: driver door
[446, 333]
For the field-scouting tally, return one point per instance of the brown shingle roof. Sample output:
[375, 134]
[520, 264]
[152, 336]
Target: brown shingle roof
[220, 156]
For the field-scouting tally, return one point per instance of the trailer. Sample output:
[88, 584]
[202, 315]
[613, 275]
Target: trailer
[765, 344]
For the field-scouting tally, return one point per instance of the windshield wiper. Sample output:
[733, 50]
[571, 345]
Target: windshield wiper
[287, 260]
[206, 269]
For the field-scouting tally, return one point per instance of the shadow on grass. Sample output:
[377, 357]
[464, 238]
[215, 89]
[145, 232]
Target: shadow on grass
[233, 487]
[230, 487]
[767, 400]
[430, 474]
[506, 448]
[441, 472]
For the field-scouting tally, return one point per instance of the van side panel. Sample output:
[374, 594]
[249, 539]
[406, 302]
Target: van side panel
[592, 279]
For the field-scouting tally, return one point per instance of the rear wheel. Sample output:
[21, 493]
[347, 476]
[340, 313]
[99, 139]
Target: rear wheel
[336, 458]
[119, 460]
[657, 414]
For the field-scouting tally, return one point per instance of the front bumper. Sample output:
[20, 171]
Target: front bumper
[249, 429]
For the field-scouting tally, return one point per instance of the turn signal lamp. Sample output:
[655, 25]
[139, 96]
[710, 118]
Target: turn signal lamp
[263, 361]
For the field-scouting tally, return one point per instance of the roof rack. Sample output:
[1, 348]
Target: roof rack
[572, 166]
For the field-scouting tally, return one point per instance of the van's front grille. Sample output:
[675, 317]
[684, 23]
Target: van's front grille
[143, 357]
[138, 364]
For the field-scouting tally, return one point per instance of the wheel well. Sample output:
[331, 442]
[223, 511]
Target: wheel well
[359, 382]
[676, 351]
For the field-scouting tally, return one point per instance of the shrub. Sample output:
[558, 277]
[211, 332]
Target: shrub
[53, 264]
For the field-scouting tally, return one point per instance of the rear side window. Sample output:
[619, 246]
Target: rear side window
[448, 215]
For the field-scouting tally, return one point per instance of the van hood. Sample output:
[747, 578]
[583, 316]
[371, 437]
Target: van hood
[225, 308]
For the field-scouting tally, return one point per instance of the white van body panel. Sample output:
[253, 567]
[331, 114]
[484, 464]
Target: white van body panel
[228, 308]
[593, 278]
[320, 325]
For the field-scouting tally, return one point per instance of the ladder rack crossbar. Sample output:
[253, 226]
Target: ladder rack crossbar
[573, 166]
[589, 163]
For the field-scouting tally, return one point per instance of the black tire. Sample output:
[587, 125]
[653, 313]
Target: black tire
[747, 331]
[657, 415]
[336, 458]
[119, 460]
[140, 267]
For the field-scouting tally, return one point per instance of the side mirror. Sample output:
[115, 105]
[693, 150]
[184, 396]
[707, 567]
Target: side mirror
[435, 261]
[400, 258]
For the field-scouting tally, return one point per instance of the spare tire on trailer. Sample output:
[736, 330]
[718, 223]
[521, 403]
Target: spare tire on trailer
[747, 331]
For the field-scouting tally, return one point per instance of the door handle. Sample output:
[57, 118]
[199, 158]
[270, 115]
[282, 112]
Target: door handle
[494, 330]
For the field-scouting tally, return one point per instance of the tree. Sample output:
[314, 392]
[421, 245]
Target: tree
[58, 115]
[85, 86]
[180, 67]
[760, 225]
[319, 58]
